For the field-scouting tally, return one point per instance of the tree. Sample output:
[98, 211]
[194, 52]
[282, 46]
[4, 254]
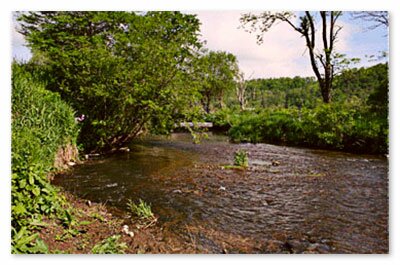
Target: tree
[321, 62]
[218, 73]
[241, 91]
[126, 71]
[378, 18]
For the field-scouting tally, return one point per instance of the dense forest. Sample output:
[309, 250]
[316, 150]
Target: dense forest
[98, 80]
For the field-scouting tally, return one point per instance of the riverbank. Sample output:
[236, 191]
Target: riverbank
[96, 226]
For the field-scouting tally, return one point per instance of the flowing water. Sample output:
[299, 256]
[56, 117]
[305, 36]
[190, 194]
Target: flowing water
[290, 200]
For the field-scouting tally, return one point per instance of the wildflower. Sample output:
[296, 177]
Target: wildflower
[80, 118]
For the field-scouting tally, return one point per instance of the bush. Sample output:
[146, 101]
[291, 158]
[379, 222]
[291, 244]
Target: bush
[331, 126]
[41, 123]
[222, 119]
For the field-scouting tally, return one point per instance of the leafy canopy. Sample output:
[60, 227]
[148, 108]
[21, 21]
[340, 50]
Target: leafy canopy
[126, 71]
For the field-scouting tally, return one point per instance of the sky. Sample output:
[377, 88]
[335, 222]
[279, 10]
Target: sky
[283, 53]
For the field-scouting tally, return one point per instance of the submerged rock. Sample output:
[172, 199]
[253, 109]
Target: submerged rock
[276, 163]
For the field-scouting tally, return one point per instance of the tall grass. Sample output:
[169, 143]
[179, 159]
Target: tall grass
[41, 123]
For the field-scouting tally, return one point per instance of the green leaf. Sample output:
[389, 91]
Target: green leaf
[19, 209]
[31, 179]
[40, 247]
[22, 183]
[36, 191]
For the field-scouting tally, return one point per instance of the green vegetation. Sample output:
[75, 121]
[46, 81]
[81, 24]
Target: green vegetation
[141, 210]
[327, 126]
[41, 124]
[356, 121]
[130, 73]
[241, 159]
[218, 72]
[127, 72]
[325, 63]
[110, 246]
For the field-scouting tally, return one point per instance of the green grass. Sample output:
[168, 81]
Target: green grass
[142, 210]
[41, 124]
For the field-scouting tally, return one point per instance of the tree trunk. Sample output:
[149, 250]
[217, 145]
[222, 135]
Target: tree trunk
[241, 92]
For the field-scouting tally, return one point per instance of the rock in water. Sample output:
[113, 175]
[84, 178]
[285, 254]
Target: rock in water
[276, 163]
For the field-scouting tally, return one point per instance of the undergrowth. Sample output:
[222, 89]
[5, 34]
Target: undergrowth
[141, 210]
[41, 123]
[110, 246]
[351, 128]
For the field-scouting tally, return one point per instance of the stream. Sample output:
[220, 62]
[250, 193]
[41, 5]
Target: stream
[289, 200]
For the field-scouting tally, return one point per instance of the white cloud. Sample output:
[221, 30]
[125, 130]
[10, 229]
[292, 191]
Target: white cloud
[283, 52]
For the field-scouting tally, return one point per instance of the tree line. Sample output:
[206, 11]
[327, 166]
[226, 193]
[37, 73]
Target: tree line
[135, 72]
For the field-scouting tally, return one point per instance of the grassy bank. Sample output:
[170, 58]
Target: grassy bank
[42, 127]
[350, 127]
[45, 219]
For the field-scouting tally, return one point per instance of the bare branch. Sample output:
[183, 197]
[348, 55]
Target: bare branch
[321, 59]
[311, 21]
[378, 18]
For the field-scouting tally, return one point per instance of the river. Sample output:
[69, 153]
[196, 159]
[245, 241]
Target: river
[290, 200]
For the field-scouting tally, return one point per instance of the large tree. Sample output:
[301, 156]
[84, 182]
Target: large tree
[126, 71]
[321, 61]
[218, 72]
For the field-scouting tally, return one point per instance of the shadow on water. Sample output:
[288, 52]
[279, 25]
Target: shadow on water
[310, 201]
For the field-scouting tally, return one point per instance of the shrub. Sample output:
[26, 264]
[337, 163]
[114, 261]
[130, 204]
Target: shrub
[345, 126]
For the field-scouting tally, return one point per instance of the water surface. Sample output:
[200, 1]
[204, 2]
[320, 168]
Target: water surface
[311, 201]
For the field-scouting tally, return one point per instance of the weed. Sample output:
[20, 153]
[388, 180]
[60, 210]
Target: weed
[25, 242]
[98, 217]
[68, 220]
[110, 246]
[241, 159]
[141, 210]
[233, 167]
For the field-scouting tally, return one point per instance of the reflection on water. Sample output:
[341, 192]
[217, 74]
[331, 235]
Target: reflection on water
[318, 201]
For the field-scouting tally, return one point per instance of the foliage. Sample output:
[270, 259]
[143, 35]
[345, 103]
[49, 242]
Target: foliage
[141, 210]
[68, 219]
[334, 126]
[126, 71]
[217, 73]
[361, 83]
[41, 123]
[110, 246]
[282, 92]
[24, 241]
[288, 110]
[322, 62]
[222, 118]
[241, 159]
